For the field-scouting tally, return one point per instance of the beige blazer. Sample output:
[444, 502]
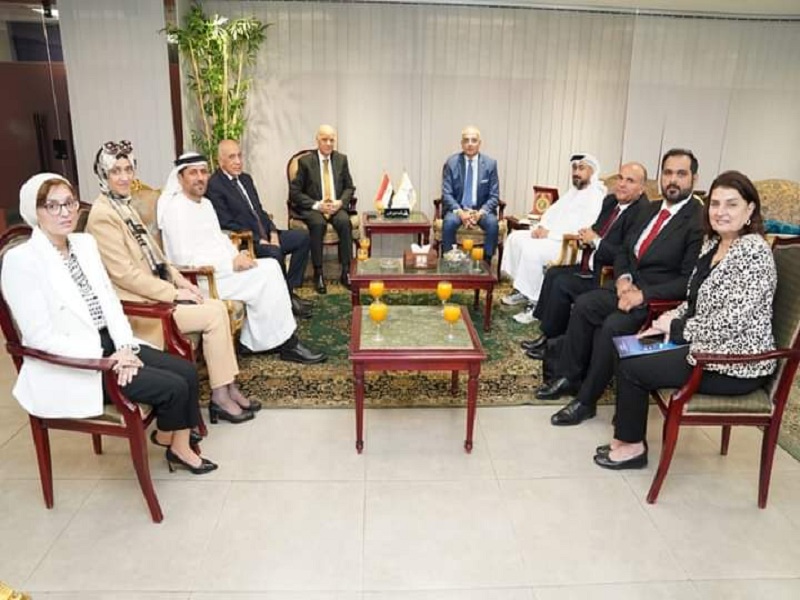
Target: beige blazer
[128, 267]
[53, 316]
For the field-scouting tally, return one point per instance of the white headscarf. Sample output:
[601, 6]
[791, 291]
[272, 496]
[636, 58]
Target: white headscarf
[173, 187]
[590, 161]
[28, 193]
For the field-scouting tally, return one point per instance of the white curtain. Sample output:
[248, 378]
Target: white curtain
[118, 81]
[400, 81]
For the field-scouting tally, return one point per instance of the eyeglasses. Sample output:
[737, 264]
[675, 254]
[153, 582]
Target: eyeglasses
[117, 148]
[54, 208]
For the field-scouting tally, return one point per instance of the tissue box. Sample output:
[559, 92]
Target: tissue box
[425, 260]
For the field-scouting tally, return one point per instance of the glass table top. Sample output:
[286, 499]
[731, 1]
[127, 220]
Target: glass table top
[394, 266]
[415, 328]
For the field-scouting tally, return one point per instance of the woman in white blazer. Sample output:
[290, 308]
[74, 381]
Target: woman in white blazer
[63, 302]
[728, 310]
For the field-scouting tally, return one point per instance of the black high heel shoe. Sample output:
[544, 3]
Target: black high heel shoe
[176, 462]
[194, 439]
[254, 406]
[216, 412]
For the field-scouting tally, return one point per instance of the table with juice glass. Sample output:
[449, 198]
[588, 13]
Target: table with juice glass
[466, 275]
[415, 338]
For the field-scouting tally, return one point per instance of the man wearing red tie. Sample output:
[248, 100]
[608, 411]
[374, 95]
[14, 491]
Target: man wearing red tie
[655, 263]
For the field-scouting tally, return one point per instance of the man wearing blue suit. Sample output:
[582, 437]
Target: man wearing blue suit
[470, 193]
[233, 194]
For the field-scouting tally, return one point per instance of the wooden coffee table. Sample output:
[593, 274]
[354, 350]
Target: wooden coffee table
[415, 224]
[463, 276]
[415, 338]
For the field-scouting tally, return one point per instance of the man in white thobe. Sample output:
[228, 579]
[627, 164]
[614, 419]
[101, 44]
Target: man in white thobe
[192, 236]
[527, 253]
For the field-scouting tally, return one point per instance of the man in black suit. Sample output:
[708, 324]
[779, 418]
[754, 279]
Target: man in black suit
[233, 194]
[320, 194]
[655, 263]
[563, 285]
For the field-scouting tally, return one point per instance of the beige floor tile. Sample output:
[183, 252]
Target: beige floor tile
[757, 589]
[438, 535]
[112, 545]
[485, 594]
[716, 531]
[306, 595]
[423, 444]
[784, 495]
[113, 595]
[28, 529]
[575, 531]
[522, 443]
[287, 536]
[13, 420]
[295, 445]
[658, 590]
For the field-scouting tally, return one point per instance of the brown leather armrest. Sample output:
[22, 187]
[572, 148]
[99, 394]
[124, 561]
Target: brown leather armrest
[704, 357]
[88, 364]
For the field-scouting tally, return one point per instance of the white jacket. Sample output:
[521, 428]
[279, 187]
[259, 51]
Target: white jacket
[51, 315]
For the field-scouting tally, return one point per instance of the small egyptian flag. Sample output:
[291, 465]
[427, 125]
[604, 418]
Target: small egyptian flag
[383, 198]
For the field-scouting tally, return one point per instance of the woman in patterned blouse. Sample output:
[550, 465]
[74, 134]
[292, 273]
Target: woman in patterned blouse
[63, 302]
[728, 310]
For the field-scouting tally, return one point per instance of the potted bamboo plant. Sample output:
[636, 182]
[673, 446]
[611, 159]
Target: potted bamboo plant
[219, 54]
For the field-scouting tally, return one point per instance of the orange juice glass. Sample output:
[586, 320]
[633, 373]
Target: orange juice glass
[376, 289]
[364, 243]
[452, 313]
[477, 256]
[467, 244]
[378, 311]
[444, 289]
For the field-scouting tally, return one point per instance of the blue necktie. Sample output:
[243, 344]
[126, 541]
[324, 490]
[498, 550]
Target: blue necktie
[466, 199]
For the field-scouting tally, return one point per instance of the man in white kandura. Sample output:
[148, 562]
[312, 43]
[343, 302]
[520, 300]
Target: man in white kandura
[192, 236]
[528, 252]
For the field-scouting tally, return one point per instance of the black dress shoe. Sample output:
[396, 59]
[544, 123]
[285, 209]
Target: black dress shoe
[604, 449]
[635, 462]
[535, 343]
[299, 310]
[306, 304]
[345, 279]
[556, 388]
[573, 413]
[300, 354]
[535, 353]
[319, 284]
[215, 413]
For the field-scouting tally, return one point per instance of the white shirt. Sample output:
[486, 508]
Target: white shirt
[575, 210]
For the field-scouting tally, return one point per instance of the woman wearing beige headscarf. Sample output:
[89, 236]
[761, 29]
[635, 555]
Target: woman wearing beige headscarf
[63, 303]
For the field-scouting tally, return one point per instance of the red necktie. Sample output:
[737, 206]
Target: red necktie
[662, 216]
[587, 253]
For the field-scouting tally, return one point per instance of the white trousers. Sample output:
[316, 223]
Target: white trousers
[524, 260]
[269, 321]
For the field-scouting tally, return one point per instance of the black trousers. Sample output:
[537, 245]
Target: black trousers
[165, 382]
[560, 288]
[316, 229]
[588, 354]
[638, 375]
[295, 242]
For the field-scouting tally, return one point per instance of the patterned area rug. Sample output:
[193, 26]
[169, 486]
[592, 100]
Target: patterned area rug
[507, 377]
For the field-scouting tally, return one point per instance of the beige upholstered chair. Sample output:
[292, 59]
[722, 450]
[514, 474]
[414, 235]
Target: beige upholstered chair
[330, 238]
[763, 408]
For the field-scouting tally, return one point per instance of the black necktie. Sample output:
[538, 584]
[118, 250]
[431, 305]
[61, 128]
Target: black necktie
[261, 231]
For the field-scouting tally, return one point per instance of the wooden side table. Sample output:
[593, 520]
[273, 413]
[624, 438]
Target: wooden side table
[417, 224]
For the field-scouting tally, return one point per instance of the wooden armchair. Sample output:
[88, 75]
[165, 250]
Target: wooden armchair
[476, 234]
[330, 238]
[121, 418]
[763, 408]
